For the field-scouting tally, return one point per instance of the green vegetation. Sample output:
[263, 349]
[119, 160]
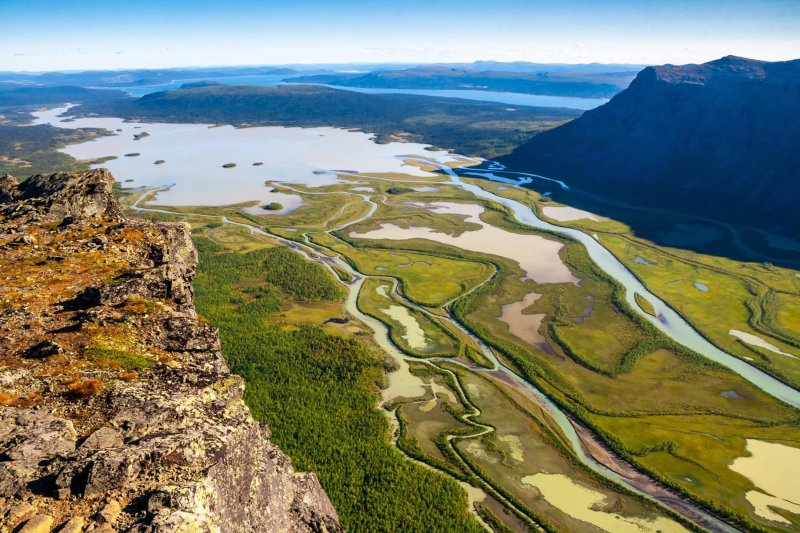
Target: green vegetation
[375, 299]
[317, 392]
[273, 206]
[126, 360]
[469, 127]
[298, 278]
[644, 304]
[424, 278]
[667, 405]
[434, 429]
[755, 298]
[27, 150]
[399, 190]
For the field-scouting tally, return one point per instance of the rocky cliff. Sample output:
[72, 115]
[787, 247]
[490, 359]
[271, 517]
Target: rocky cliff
[117, 410]
[719, 139]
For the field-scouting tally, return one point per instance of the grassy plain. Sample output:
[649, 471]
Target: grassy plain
[425, 422]
[671, 412]
[374, 299]
[756, 298]
[669, 407]
[427, 279]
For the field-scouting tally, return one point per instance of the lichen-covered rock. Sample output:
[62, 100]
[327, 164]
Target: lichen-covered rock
[117, 410]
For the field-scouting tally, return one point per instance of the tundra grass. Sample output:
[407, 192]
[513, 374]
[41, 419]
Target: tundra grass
[652, 378]
[740, 299]
[519, 446]
[316, 212]
[644, 304]
[427, 279]
[438, 342]
[755, 298]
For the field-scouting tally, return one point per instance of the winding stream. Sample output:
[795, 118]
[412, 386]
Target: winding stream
[667, 320]
[402, 384]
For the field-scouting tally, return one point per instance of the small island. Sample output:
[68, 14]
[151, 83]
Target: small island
[644, 304]
[133, 154]
[159, 162]
[137, 136]
[229, 165]
[272, 206]
[257, 164]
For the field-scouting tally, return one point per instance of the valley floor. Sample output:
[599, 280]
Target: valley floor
[527, 379]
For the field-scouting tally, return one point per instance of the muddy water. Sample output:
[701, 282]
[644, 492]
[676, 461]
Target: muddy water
[775, 470]
[586, 505]
[536, 255]
[754, 340]
[567, 214]
[413, 334]
[526, 327]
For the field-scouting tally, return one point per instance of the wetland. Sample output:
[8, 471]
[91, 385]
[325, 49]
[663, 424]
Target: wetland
[443, 333]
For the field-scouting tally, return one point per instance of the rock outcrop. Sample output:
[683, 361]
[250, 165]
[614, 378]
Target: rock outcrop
[117, 410]
[718, 139]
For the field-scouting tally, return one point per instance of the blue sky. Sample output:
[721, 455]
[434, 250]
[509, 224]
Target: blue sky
[89, 34]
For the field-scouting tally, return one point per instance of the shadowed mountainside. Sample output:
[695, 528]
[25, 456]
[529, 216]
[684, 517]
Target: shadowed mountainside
[718, 139]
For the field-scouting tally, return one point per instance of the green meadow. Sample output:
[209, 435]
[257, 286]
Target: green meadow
[656, 404]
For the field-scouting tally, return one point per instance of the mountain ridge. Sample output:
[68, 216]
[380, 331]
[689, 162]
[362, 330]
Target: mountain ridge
[694, 138]
[118, 411]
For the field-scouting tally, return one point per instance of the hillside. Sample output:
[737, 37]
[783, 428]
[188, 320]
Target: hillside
[718, 139]
[469, 127]
[135, 77]
[578, 82]
[118, 412]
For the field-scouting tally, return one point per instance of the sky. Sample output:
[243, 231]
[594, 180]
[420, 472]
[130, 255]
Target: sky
[112, 34]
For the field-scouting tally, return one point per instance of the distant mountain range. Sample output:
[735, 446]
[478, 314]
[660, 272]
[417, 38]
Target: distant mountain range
[13, 95]
[721, 139]
[128, 78]
[587, 81]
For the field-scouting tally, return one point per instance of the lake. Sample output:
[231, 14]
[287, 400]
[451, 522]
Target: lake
[193, 156]
[516, 99]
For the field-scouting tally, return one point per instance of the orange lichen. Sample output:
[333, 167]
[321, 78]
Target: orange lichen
[107, 363]
[58, 368]
[80, 387]
[9, 398]
[129, 375]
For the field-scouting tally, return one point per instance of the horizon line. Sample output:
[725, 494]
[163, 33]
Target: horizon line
[375, 63]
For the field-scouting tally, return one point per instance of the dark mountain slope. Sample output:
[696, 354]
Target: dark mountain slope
[720, 139]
